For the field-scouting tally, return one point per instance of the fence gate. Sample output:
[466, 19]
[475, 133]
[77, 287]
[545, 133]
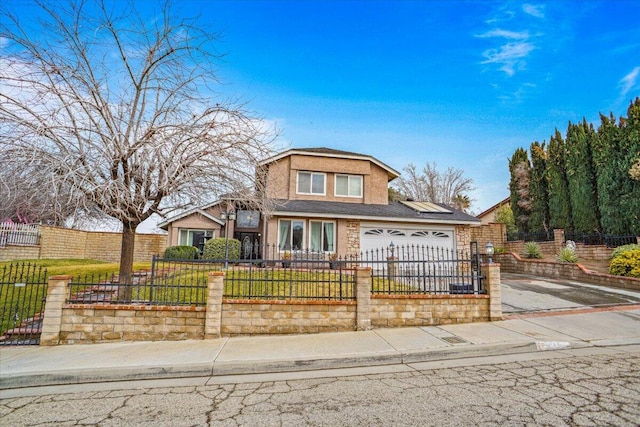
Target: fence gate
[23, 291]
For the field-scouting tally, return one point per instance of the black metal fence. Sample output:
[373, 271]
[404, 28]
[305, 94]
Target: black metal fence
[185, 284]
[608, 240]
[425, 270]
[23, 291]
[292, 275]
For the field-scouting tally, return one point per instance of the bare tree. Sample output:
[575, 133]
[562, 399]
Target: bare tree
[431, 185]
[115, 110]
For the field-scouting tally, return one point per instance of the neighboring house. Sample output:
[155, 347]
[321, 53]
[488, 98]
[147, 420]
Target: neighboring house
[489, 216]
[327, 201]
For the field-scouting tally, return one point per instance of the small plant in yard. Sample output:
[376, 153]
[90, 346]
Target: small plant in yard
[567, 255]
[532, 250]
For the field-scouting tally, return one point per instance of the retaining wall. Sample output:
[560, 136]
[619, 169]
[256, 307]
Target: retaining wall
[513, 263]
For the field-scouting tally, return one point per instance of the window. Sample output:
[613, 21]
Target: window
[311, 183]
[290, 235]
[248, 219]
[349, 185]
[189, 237]
[322, 236]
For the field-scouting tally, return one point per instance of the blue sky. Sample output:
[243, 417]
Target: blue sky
[459, 83]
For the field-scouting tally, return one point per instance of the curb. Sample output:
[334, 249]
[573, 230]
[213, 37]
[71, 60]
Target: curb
[224, 368]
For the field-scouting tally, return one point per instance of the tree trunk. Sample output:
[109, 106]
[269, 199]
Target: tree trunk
[126, 260]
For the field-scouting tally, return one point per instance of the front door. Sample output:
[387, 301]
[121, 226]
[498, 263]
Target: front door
[249, 245]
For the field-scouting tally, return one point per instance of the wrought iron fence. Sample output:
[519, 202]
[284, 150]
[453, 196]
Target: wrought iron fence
[425, 270]
[184, 285]
[292, 275]
[23, 291]
[608, 240]
[19, 234]
[305, 275]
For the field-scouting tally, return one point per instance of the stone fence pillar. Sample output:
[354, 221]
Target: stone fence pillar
[52, 318]
[492, 285]
[363, 298]
[558, 239]
[213, 317]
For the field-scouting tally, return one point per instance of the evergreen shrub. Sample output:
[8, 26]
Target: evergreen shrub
[181, 252]
[215, 249]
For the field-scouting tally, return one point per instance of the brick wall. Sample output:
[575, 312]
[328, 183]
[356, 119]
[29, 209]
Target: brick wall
[512, 263]
[65, 243]
[427, 310]
[286, 317]
[65, 323]
[10, 252]
[84, 324]
[493, 232]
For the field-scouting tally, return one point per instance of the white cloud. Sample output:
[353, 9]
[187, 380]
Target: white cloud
[628, 82]
[510, 56]
[533, 10]
[514, 35]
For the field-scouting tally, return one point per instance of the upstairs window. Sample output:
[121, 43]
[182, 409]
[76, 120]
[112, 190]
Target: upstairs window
[311, 183]
[349, 185]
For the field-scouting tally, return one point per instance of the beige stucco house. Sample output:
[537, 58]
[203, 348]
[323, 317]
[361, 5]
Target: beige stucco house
[328, 201]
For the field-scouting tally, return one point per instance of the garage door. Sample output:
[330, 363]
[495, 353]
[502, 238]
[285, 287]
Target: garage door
[380, 237]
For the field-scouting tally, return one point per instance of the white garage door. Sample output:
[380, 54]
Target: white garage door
[380, 237]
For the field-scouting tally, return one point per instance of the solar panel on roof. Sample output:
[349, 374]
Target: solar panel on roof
[425, 207]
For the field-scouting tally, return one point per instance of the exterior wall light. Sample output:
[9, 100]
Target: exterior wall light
[488, 248]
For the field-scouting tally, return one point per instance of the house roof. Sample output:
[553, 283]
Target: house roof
[494, 207]
[330, 152]
[394, 212]
[200, 210]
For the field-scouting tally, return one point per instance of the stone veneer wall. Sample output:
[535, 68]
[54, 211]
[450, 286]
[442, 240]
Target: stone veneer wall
[353, 237]
[427, 310]
[463, 237]
[85, 324]
[251, 317]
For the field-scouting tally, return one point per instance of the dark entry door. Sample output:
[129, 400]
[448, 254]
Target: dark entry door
[249, 245]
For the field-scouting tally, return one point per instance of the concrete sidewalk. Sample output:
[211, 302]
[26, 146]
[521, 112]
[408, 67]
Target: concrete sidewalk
[73, 364]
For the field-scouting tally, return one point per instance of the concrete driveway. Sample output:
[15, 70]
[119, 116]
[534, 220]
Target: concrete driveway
[531, 294]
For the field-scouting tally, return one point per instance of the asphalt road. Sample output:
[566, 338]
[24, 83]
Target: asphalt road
[602, 388]
[524, 294]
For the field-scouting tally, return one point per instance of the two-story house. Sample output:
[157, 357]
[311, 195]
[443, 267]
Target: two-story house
[329, 201]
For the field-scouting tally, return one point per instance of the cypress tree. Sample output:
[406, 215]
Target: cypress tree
[559, 201]
[581, 177]
[519, 188]
[539, 218]
[630, 152]
[610, 175]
